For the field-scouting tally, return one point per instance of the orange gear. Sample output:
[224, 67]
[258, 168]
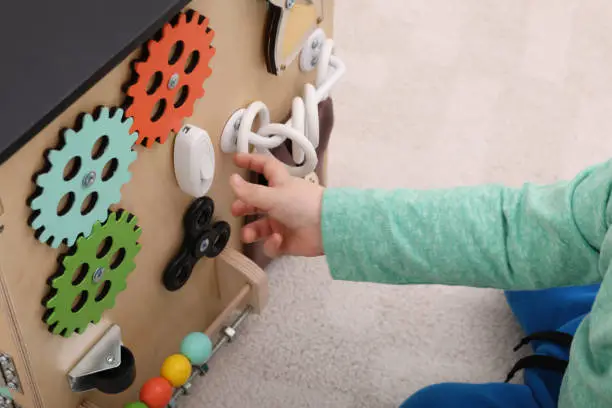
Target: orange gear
[169, 78]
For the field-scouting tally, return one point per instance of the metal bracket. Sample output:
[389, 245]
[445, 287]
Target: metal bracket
[8, 373]
[104, 355]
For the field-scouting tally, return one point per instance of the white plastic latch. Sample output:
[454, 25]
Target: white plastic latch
[194, 160]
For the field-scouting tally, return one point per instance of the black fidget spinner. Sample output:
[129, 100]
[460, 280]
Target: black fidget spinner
[202, 239]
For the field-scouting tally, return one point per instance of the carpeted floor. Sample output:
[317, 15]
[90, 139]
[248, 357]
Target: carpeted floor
[439, 93]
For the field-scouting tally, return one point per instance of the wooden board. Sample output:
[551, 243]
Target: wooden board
[288, 29]
[153, 320]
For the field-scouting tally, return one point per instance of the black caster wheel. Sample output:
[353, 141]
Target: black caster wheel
[223, 233]
[178, 272]
[199, 216]
[117, 380]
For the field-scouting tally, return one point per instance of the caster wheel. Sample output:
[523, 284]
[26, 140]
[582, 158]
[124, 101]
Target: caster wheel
[199, 216]
[223, 232]
[178, 272]
[203, 243]
[119, 379]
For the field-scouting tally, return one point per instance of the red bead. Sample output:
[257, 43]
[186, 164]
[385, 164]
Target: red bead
[156, 393]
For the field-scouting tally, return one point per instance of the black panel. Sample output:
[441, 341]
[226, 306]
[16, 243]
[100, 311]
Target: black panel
[52, 51]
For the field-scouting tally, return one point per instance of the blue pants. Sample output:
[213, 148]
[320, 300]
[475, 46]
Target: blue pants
[560, 309]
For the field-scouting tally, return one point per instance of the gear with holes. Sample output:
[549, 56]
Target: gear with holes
[169, 77]
[82, 177]
[92, 274]
[202, 239]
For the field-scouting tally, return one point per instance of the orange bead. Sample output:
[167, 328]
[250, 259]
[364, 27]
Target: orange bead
[156, 393]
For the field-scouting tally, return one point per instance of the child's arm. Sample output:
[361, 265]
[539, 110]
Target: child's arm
[488, 236]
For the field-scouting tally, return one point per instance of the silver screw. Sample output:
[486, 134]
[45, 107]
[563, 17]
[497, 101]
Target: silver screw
[315, 44]
[237, 124]
[110, 359]
[290, 4]
[186, 388]
[89, 179]
[314, 61]
[97, 276]
[173, 81]
[204, 245]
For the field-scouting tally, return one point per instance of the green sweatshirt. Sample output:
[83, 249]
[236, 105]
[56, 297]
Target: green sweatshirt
[491, 236]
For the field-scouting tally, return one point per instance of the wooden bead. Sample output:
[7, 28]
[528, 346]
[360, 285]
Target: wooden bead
[156, 393]
[197, 347]
[176, 369]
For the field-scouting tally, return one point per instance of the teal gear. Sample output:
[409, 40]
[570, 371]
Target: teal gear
[84, 178]
[92, 274]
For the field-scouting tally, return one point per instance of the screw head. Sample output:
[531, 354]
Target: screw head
[315, 44]
[314, 61]
[110, 359]
[173, 81]
[89, 179]
[290, 4]
[204, 245]
[98, 274]
[237, 124]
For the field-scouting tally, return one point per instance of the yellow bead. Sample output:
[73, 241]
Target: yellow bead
[176, 369]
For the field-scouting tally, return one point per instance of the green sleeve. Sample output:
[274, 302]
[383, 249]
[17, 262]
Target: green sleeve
[486, 236]
[588, 376]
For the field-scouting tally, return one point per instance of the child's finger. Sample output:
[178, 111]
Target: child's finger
[256, 231]
[241, 209]
[273, 245]
[273, 170]
[253, 194]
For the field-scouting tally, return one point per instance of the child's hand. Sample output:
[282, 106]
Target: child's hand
[291, 207]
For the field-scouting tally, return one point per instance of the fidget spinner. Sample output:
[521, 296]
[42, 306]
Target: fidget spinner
[202, 239]
[92, 274]
[168, 78]
[288, 26]
[82, 177]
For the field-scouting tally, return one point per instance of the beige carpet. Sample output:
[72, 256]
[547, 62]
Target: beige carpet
[439, 93]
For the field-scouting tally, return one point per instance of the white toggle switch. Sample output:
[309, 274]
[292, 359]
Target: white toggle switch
[194, 160]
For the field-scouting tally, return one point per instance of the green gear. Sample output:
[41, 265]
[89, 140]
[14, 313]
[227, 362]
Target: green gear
[92, 274]
[83, 176]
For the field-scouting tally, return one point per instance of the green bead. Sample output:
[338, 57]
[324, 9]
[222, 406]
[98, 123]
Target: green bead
[136, 405]
[197, 347]
[5, 392]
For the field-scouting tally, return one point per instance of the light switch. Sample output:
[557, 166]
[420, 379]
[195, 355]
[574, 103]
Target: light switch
[194, 160]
